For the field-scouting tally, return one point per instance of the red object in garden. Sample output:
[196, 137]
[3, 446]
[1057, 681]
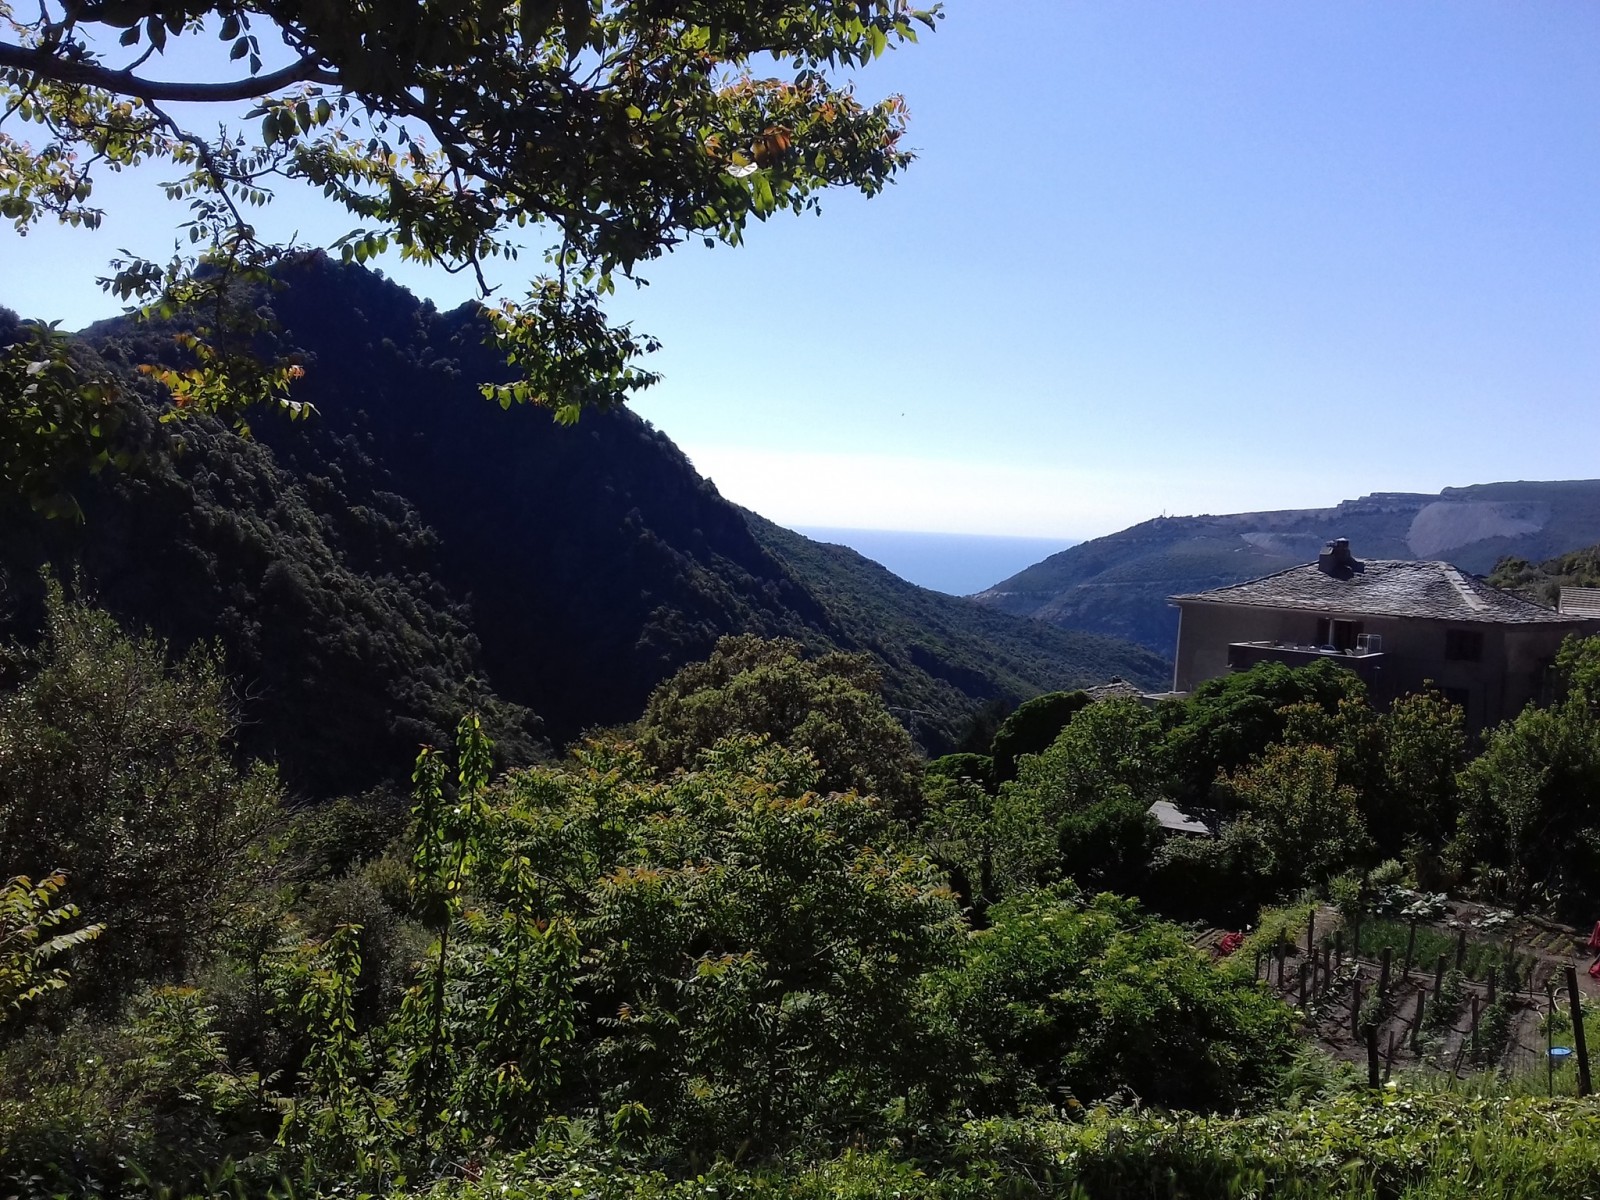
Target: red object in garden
[1594, 969]
[1594, 939]
[1232, 941]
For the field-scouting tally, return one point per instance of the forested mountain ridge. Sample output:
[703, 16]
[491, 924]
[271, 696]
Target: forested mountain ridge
[414, 549]
[1118, 585]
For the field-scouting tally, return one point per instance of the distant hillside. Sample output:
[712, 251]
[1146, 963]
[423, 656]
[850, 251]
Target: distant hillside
[413, 549]
[939, 651]
[1542, 582]
[1118, 585]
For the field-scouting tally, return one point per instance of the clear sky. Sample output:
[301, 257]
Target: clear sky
[1154, 257]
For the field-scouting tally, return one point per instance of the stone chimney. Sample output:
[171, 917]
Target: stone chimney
[1336, 560]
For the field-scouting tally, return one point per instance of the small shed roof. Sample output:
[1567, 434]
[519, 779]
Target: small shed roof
[1174, 820]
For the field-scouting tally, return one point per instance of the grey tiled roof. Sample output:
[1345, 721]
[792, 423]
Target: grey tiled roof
[1388, 588]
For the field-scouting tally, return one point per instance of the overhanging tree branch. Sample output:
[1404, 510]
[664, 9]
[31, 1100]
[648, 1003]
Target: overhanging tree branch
[125, 83]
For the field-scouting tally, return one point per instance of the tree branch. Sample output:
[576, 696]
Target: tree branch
[125, 83]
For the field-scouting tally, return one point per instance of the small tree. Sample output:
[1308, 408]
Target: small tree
[116, 765]
[830, 706]
[1308, 825]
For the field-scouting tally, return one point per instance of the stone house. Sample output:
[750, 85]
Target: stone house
[1398, 624]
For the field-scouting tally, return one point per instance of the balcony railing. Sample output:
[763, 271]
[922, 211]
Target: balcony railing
[1365, 662]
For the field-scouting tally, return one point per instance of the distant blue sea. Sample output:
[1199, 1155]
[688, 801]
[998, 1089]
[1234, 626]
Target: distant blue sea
[958, 563]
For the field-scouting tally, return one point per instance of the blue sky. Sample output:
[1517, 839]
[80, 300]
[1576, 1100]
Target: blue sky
[1154, 257]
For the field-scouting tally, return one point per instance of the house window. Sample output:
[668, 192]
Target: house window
[1463, 645]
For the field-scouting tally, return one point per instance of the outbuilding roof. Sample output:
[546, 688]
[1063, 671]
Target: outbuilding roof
[1388, 588]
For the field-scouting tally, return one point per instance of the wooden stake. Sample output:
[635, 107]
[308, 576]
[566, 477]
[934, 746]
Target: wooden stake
[1355, 1008]
[1388, 1058]
[1580, 1038]
[1416, 1023]
[1461, 947]
[1411, 945]
[1311, 931]
[1438, 979]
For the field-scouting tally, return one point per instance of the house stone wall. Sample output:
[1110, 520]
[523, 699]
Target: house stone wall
[1512, 670]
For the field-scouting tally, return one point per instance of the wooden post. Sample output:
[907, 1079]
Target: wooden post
[1580, 1039]
[1311, 931]
[1388, 1058]
[1372, 1057]
[1411, 945]
[1355, 1008]
[1438, 979]
[1474, 1025]
[1338, 946]
[1461, 947]
[1416, 1024]
[1383, 971]
[1355, 937]
[1550, 1036]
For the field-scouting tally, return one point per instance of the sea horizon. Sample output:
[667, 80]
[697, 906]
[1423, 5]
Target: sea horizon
[958, 564]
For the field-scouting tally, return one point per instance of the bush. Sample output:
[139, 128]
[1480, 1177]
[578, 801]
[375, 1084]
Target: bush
[1071, 1002]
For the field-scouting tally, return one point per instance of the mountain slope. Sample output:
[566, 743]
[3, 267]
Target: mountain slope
[940, 651]
[1119, 584]
[413, 548]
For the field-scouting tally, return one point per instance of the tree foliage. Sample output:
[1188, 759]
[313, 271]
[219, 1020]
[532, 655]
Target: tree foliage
[116, 766]
[829, 706]
[1230, 719]
[1073, 1000]
[1530, 803]
[607, 132]
[1031, 728]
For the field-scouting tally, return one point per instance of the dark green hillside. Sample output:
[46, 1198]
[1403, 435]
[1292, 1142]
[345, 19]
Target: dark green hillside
[940, 651]
[347, 650]
[413, 549]
[1119, 584]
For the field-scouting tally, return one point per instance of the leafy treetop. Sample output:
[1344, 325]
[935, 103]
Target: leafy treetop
[615, 128]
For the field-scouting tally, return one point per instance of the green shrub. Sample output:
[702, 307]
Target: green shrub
[1074, 1001]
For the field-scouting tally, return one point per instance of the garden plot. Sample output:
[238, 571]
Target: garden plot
[1447, 987]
